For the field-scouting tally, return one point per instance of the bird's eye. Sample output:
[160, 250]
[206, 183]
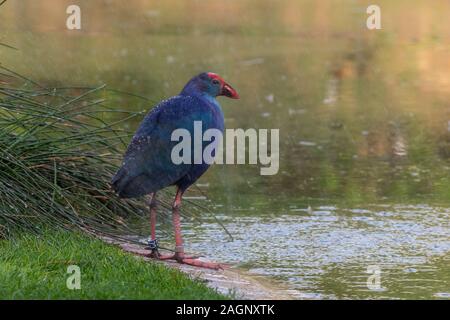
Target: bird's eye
[215, 81]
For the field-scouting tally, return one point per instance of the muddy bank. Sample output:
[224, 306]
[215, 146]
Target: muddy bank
[229, 281]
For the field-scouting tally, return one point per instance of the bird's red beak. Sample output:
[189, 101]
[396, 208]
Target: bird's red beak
[228, 91]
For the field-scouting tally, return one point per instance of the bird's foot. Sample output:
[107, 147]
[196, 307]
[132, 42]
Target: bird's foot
[192, 261]
[153, 246]
[180, 257]
[175, 257]
[202, 264]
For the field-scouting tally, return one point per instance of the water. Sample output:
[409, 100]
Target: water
[324, 252]
[363, 119]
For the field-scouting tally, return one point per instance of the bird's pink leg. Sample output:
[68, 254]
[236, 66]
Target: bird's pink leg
[179, 248]
[153, 243]
[153, 216]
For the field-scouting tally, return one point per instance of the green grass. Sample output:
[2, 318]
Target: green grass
[35, 267]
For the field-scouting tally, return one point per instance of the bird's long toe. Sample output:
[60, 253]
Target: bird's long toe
[202, 264]
[173, 257]
[167, 257]
[190, 260]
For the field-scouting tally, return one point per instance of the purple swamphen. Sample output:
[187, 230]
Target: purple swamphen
[148, 167]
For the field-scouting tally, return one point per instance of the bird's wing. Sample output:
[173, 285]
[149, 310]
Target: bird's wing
[147, 165]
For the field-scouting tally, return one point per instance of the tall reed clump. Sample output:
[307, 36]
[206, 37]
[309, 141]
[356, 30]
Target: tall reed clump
[58, 153]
